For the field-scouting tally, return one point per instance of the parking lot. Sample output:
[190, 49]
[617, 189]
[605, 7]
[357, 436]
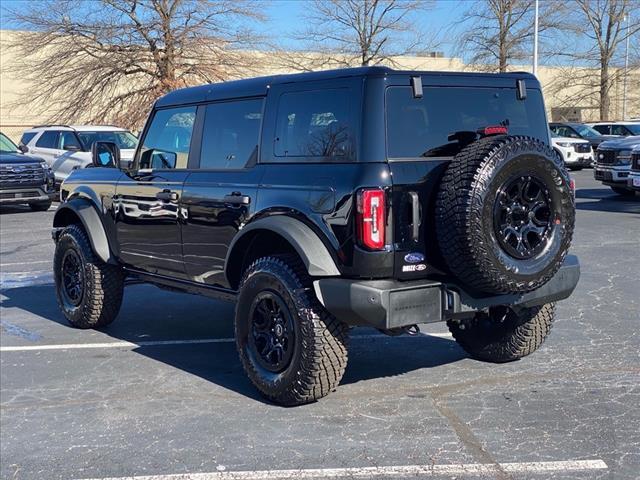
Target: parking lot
[161, 392]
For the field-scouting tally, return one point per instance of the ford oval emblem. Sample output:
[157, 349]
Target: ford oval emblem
[414, 257]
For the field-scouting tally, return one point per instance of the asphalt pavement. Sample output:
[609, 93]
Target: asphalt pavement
[161, 393]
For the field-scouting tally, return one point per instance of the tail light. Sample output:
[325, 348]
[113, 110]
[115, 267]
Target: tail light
[572, 187]
[371, 217]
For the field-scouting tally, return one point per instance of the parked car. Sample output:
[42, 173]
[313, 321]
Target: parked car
[624, 129]
[325, 200]
[613, 163]
[633, 182]
[23, 179]
[66, 148]
[575, 152]
[580, 130]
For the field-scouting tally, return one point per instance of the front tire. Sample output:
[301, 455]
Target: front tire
[89, 291]
[40, 206]
[504, 335]
[291, 348]
[623, 191]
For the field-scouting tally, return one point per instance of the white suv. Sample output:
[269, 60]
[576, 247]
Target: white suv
[66, 148]
[576, 152]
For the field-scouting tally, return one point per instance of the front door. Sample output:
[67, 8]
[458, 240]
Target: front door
[220, 195]
[148, 200]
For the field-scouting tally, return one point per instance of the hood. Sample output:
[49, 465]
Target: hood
[598, 139]
[623, 142]
[11, 158]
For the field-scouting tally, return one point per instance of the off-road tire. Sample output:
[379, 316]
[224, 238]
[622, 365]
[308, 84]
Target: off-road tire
[319, 355]
[465, 213]
[487, 338]
[623, 191]
[103, 284]
[40, 206]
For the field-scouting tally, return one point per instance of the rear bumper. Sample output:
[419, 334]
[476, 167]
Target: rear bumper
[387, 304]
[10, 196]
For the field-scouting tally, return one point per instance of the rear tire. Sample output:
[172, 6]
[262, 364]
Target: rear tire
[40, 206]
[291, 348]
[89, 291]
[504, 335]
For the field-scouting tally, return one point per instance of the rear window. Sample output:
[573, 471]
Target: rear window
[48, 139]
[421, 127]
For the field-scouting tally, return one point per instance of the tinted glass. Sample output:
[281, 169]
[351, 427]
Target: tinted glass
[124, 140]
[26, 137]
[48, 139]
[6, 145]
[68, 140]
[604, 129]
[167, 142]
[315, 124]
[421, 126]
[634, 128]
[230, 134]
[564, 131]
[586, 131]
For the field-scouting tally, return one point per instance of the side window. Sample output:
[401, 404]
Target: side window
[619, 130]
[48, 139]
[315, 124]
[68, 141]
[230, 134]
[166, 144]
[604, 129]
[27, 137]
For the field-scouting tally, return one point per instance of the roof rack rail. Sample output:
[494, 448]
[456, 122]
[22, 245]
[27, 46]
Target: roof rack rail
[53, 125]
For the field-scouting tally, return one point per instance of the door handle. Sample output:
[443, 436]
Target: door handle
[167, 195]
[236, 198]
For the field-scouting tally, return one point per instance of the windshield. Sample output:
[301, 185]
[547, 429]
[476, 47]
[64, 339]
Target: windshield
[6, 145]
[425, 126]
[586, 131]
[124, 140]
[634, 127]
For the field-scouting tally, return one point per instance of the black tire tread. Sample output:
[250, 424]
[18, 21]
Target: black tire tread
[324, 360]
[104, 284]
[514, 343]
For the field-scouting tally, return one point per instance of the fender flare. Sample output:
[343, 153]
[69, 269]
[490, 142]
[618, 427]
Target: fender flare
[92, 224]
[314, 254]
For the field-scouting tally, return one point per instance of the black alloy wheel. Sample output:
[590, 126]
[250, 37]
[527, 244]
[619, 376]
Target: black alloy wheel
[272, 332]
[72, 278]
[522, 217]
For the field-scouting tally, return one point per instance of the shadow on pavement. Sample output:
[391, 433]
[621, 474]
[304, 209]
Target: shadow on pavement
[149, 314]
[605, 200]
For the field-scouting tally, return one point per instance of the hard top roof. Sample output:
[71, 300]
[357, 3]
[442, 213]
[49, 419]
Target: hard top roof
[253, 87]
[79, 128]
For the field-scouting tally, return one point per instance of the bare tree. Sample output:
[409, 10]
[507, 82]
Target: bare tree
[498, 32]
[346, 33]
[108, 60]
[602, 23]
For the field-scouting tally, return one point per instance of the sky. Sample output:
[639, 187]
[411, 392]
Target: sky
[285, 16]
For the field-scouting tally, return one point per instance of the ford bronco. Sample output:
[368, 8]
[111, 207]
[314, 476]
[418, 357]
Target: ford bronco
[326, 200]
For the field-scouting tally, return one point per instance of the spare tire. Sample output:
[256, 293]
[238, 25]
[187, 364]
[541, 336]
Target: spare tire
[505, 214]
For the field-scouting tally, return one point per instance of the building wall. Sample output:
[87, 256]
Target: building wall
[563, 97]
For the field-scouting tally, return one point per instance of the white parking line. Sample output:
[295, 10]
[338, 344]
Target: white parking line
[370, 472]
[158, 343]
[25, 263]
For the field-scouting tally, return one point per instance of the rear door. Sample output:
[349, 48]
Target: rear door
[419, 148]
[46, 146]
[147, 205]
[220, 195]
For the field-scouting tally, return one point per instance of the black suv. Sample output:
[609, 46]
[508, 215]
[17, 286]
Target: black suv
[23, 179]
[326, 200]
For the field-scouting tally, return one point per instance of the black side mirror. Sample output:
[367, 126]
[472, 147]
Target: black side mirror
[72, 148]
[105, 155]
[23, 148]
